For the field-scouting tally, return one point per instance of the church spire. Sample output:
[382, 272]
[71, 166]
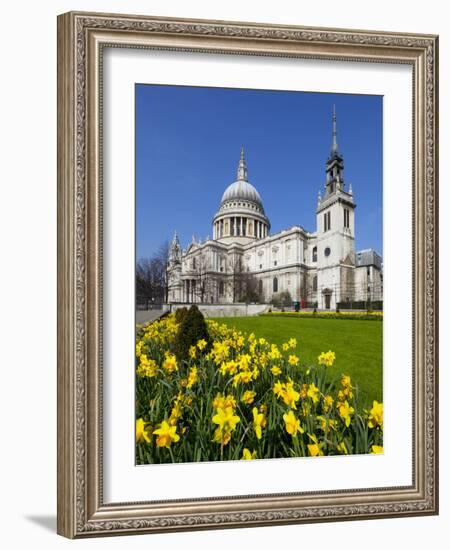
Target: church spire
[242, 167]
[175, 239]
[175, 249]
[334, 146]
[335, 164]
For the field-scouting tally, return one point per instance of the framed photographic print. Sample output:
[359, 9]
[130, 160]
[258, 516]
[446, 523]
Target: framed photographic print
[247, 284]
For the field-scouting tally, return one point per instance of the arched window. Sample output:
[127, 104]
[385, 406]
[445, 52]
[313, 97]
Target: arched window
[314, 254]
[221, 288]
[275, 284]
[315, 283]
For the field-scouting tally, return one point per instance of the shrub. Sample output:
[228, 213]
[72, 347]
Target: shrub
[180, 314]
[192, 329]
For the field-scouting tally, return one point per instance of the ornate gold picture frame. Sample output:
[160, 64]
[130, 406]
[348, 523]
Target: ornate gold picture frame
[82, 40]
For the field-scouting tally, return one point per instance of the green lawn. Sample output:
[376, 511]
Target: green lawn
[358, 345]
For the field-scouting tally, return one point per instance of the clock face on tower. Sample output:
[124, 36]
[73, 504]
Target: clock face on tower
[327, 251]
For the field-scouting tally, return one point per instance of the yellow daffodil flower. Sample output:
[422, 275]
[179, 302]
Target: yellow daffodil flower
[327, 403]
[313, 393]
[221, 437]
[226, 419]
[346, 412]
[143, 431]
[201, 344]
[247, 455]
[292, 424]
[293, 360]
[248, 397]
[315, 448]
[377, 450]
[327, 359]
[192, 377]
[243, 377]
[290, 396]
[292, 343]
[376, 415]
[166, 434]
[259, 422]
[224, 401]
[170, 363]
[346, 381]
[147, 367]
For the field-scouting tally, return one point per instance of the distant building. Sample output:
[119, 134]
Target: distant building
[320, 269]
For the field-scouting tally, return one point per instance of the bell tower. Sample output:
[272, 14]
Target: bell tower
[335, 229]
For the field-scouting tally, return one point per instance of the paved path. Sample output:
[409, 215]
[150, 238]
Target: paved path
[148, 315]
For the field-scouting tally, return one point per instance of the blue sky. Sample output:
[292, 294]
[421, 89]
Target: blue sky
[188, 141]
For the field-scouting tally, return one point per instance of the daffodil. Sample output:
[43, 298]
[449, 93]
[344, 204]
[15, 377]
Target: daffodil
[278, 388]
[248, 397]
[224, 401]
[147, 367]
[226, 419]
[326, 423]
[377, 450]
[143, 432]
[274, 353]
[327, 358]
[167, 434]
[342, 448]
[221, 437]
[276, 371]
[315, 448]
[170, 363]
[176, 413]
[292, 424]
[293, 360]
[327, 403]
[192, 377]
[313, 393]
[201, 344]
[139, 346]
[376, 415]
[247, 455]
[290, 395]
[259, 422]
[346, 381]
[243, 377]
[346, 412]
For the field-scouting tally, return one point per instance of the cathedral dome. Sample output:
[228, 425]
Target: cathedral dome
[241, 217]
[241, 190]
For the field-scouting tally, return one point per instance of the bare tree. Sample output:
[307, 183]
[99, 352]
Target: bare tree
[204, 283]
[151, 277]
[244, 284]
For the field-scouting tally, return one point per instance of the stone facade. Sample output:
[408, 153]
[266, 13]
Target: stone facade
[317, 268]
